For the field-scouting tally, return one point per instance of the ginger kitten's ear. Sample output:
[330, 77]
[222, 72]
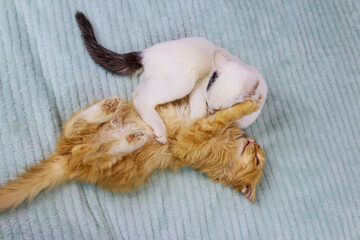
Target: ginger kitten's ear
[219, 59]
[249, 192]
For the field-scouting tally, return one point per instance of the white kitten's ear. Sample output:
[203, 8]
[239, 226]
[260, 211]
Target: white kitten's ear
[219, 59]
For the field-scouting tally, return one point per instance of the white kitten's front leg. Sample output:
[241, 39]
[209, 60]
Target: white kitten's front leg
[197, 101]
[145, 102]
[153, 92]
[151, 117]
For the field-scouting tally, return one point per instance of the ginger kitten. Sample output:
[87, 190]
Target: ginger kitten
[108, 144]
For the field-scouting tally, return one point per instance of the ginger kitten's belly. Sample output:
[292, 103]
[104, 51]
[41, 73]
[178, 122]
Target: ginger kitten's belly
[117, 129]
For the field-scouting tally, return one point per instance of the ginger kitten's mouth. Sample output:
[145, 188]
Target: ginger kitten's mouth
[249, 140]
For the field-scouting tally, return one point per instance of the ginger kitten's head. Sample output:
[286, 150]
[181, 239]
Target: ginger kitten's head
[245, 166]
[252, 159]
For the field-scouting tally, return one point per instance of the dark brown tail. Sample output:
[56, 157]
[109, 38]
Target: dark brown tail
[122, 64]
[45, 175]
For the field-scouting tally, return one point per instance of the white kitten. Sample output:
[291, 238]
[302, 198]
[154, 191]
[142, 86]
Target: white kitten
[214, 78]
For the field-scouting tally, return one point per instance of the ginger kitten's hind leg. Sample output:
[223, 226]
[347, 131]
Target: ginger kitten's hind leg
[104, 155]
[102, 111]
[97, 113]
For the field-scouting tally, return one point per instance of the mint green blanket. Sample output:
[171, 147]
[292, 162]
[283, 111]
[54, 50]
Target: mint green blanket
[309, 52]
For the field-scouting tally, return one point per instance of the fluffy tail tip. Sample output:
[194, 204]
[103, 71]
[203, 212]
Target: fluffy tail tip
[79, 15]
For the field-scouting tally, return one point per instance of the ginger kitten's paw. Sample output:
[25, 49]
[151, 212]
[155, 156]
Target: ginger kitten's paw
[136, 140]
[110, 105]
[134, 137]
[251, 106]
[102, 111]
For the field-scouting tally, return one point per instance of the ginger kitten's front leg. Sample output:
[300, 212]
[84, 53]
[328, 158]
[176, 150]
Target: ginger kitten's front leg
[223, 118]
[205, 128]
[227, 116]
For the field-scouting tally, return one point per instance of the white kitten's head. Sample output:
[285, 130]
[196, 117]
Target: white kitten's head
[231, 82]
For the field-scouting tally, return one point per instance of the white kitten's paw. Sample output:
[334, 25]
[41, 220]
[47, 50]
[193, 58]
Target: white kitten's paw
[160, 135]
[160, 132]
[161, 139]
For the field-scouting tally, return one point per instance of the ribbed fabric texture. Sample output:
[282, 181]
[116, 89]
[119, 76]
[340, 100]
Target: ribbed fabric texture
[308, 51]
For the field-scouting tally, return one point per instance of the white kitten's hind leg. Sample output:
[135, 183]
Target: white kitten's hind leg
[151, 93]
[197, 101]
[148, 113]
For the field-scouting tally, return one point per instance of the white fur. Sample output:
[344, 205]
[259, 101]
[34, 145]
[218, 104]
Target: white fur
[177, 68]
[236, 79]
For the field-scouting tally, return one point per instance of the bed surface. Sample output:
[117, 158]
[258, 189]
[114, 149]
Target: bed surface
[309, 52]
